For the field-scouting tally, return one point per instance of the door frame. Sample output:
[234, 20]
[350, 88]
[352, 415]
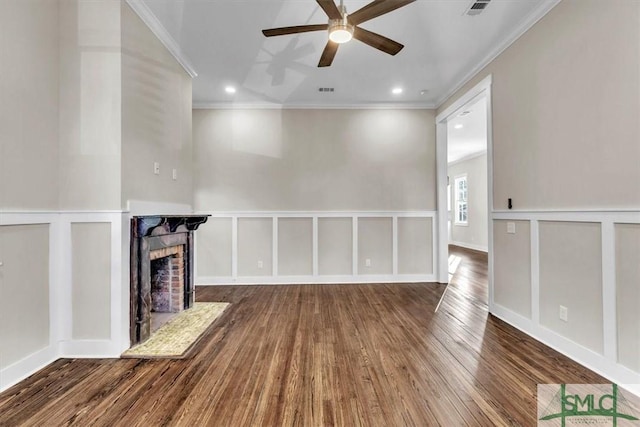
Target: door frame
[480, 90]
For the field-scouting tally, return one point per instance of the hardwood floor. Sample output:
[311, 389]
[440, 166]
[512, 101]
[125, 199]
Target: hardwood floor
[470, 275]
[317, 355]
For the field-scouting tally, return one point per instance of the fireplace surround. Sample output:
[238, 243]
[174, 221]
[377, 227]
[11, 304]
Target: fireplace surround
[164, 242]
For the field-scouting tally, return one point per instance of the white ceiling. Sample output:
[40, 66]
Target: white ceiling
[471, 138]
[222, 41]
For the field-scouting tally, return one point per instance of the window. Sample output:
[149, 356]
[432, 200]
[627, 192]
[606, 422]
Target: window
[461, 194]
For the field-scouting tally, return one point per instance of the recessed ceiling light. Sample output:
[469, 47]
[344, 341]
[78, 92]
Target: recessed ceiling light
[230, 89]
[458, 126]
[424, 91]
[396, 90]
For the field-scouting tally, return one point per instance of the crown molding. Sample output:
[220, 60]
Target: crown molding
[147, 16]
[263, 106]
[536, 15]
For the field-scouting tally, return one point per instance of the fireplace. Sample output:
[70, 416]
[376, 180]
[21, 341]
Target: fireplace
[161, 268]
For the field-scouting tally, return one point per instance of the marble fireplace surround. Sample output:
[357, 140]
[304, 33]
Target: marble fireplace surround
[151, 233]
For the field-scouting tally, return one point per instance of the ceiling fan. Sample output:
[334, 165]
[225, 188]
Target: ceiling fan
[343, 27]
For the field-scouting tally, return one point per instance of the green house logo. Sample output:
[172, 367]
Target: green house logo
[567, 405]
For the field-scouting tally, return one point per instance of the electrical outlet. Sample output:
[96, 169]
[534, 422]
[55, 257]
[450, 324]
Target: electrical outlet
[511, 227]
[156, 168]
[564, 313]
[260, 264]
[175, 174]
[367, 262]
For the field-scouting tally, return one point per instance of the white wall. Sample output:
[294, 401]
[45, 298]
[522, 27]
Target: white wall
[90, 106]
[474, 235]
[566, 149]
[314, 160]
[313, 194]
[565, 110]
[29, 104]
[156, 118]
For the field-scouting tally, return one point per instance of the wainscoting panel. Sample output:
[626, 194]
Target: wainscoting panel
[512, 266]
[317, 247]
[571, 276]
[91, 281]
[375, 246]
[24, 291]
[214, 243]
[295, 246]
[415, 253]
[587, 261]
[627, 241]
[255, 249]
[335, 246]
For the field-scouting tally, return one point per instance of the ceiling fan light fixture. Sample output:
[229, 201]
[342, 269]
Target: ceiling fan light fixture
[340, 31]
[342, 27]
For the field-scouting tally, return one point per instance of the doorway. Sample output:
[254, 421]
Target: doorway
[464, 180]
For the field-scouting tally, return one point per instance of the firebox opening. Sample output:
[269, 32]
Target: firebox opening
[167, 284]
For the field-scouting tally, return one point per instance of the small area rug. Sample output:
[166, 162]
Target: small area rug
[174, 339]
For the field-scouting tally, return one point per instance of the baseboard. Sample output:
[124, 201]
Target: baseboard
[614, 372]
[89, 349]
[470, 246]
[319, 280]
[26, 367]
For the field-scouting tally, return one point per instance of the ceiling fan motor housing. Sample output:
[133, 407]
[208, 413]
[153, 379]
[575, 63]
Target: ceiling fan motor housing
[340, 30]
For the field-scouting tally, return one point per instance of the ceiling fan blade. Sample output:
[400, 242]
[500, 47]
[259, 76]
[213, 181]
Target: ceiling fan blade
[294, 30]
[328, 54]
[375, 9]
[376, 40]
[330, 9]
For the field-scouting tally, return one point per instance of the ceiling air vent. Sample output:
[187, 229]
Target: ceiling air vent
[477, 7]
[325, 89]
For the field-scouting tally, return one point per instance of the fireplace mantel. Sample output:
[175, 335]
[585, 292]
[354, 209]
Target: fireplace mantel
[150, 233]
[156, 225]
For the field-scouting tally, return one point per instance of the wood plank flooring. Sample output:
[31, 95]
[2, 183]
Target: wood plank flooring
[470, 277]
[317, 355]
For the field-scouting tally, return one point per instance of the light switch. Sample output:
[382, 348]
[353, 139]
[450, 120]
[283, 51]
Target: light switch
[156, 168]
[511, 227]
[175, 174]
